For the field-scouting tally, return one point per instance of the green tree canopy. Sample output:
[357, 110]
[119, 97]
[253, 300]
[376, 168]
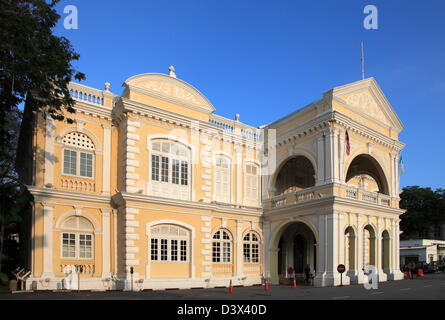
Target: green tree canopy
[33, 61]
[425, 209]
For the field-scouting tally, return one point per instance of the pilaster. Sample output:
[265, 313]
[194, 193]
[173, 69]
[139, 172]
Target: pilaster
[106, 167]
[106, 243]
[48, 209]
[49, 152]
[320, 159]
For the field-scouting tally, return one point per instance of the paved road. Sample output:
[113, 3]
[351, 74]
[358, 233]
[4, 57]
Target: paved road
[431, 287]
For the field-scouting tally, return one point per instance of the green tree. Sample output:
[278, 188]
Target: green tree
[10, 199]
[425, 209]
[36, 67]
[34, 63]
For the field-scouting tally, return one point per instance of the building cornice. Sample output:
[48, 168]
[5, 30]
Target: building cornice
[122, 198]
[323, 120]
[47, 194]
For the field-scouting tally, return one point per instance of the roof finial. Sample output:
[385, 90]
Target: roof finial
[172, 72]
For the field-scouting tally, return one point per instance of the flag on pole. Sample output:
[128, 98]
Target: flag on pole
[401, 165]
[348, 146]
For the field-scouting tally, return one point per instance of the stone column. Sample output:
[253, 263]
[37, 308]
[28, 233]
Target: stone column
[239, 249]
[48, 209]
[398, 275]
[106, 160]
[341, 155]
[392, 184]
[379, 262]
[321, 252]
[396, 175]
[360, 266]
[341, 238]
[329, 156]
[394, 243]
[335, 156]
[49, 152]
[106, 243]
[320, 159]
[332, 245]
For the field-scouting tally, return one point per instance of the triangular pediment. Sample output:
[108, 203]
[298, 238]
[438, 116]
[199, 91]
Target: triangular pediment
[366, 98]
[171, 89]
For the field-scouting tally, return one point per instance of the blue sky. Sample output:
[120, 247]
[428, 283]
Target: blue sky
[265, 59]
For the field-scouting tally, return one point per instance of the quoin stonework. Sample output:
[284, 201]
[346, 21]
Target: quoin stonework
[155, 180]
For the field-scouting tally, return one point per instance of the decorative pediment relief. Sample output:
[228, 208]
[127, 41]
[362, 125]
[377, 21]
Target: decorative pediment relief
[169, 88]
[366, 103]
[366, 97]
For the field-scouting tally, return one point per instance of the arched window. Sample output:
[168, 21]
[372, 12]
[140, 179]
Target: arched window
[251, 190]
[222, 247]
[222, 173]
[170, 170]
[77, 238]
[251, 248]
[78, 155]
[169, 243]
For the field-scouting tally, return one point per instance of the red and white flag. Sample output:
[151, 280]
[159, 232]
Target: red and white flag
[348, 146]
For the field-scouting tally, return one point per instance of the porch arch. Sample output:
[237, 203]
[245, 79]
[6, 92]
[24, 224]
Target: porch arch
[292, 228]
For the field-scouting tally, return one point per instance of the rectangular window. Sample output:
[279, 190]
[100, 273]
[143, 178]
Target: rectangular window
[246, 252]
[155, 168]
[183, 250]
[69, 245]
[174, 250]
[216, 252]
[226, 252]
[184, 173]
[86, 165]
[154, 249]
[164, 249]
[175, 171]
[164, 172]
[69, 162]
[85, 246]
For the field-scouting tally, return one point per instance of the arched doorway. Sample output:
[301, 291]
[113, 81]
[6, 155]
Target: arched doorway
[295, 174]
[386, 251]
[369, 246]
[295, 246]
[366, 173]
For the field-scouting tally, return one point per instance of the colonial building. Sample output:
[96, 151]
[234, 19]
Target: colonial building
[153, 181]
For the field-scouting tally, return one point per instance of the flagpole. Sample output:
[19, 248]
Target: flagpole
[363, 64]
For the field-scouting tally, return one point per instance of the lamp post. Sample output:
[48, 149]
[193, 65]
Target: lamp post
[79, 270]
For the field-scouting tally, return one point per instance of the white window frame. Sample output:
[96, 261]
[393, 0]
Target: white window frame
[248, 200]
[169, 239]
[77, 233]
[78, 151]
[218, 196]
[251, 242]
[221, 242]
[180, 158]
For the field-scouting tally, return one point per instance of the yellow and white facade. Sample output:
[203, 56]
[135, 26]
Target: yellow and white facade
[153, 180]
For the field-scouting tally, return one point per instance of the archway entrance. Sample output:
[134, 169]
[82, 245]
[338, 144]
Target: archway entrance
[296, 248]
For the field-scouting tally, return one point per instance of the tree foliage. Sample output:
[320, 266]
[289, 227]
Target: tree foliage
[36, 67]
[33, 61]
[425, 209]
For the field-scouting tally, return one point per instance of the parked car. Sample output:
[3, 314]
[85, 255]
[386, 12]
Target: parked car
[431, 267]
